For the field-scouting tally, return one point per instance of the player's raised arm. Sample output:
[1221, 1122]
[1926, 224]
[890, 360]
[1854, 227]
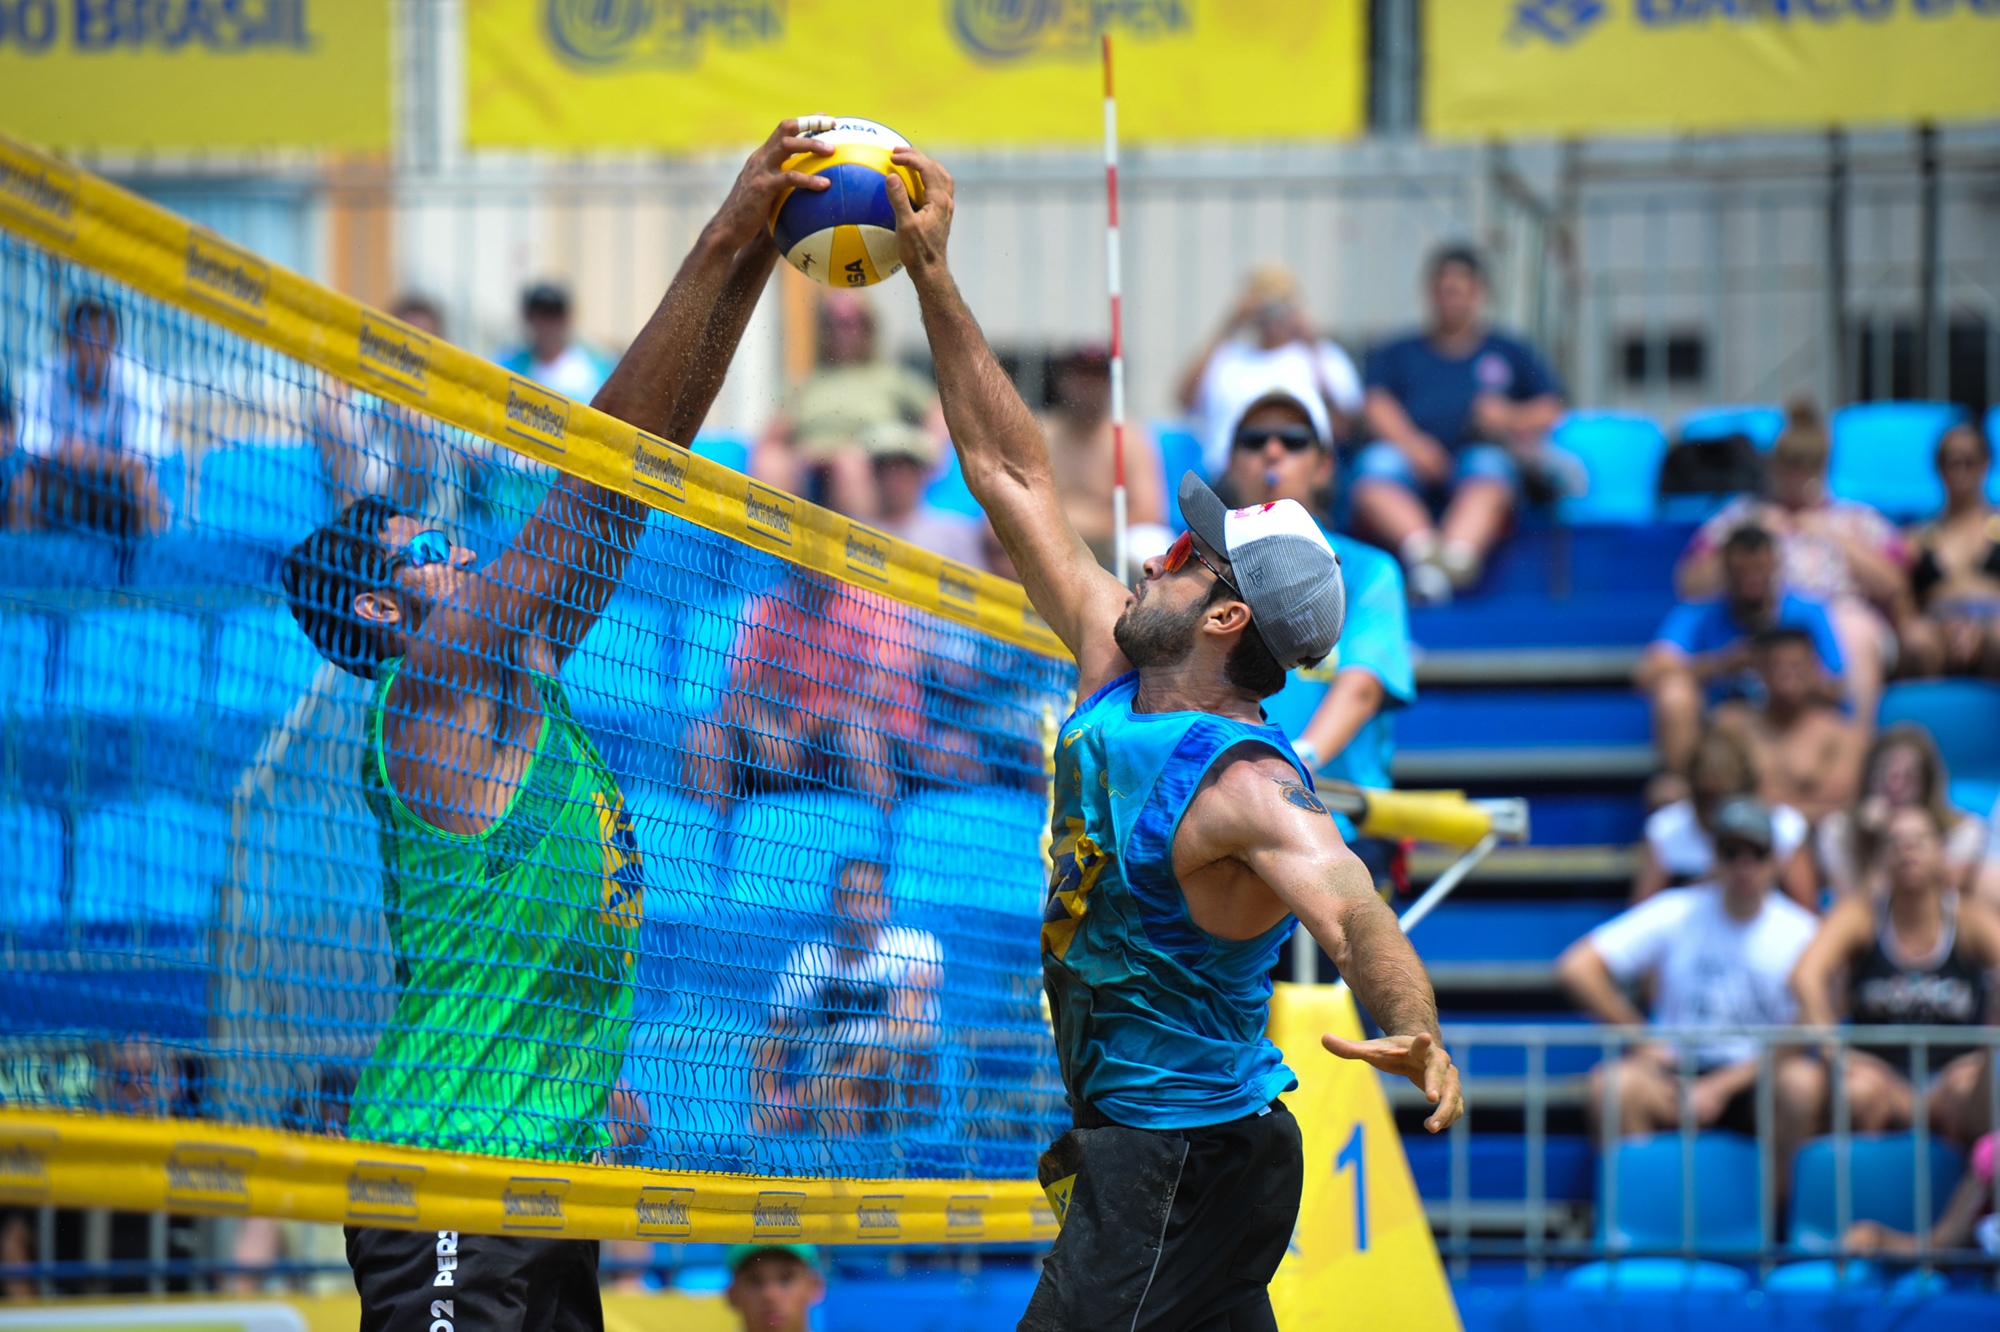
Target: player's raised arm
[1000, 445]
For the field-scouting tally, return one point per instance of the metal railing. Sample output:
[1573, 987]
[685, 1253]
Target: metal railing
[1564, 1230]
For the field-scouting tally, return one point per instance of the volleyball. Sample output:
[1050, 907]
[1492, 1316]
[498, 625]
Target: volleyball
[844, 235]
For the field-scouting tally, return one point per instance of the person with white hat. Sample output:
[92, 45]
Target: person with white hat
[1187, 845]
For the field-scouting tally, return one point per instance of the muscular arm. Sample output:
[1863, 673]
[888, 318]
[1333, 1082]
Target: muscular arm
[1001, 448]
[1590, 986]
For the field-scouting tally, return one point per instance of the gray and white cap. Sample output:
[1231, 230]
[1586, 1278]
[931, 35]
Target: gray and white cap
[1282, 564]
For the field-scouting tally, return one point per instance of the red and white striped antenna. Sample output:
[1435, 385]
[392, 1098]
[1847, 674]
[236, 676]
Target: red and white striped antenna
[1115, 285]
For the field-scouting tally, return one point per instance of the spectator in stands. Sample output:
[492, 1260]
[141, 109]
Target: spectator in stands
[368, 446]
[1968, 1220]
[1839, 553]
[1955, 571]
[1903, 771]
[903, 458]
[1702, 650]
[815, 447]
[13, 465]
[1460, 415]
[1338, 714]
[1716, 954]
[774, 1286]
[853, 1018]
[551, 356]
[1680, 835]
[1266, 332]
[94, 425]
[264, 1242]
[1919, 954]
[1808, 752]
[1080, 450]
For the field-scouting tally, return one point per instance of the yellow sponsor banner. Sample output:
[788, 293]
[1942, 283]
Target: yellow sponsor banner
[196, 73]
[698, 74]
[1362, 1254]
[1579, 66]
[92, 222]
[144, 1165]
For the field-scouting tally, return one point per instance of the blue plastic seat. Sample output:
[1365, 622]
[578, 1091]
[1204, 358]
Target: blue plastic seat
[1760, 423]
[949, 492]
[1993, 435]
[1657, 1276]
[1882, 455]
[31, 875]
[57, 559]
[260, 493]
[1963, 716]
[1820, 1274]
[150, 870]
[1727, 1194]
[728, 447]
[263, 661]
[24, 663]
[122, 663]
[977, 848]
[1622, 455]
[1882, 1176]
[1180, 453]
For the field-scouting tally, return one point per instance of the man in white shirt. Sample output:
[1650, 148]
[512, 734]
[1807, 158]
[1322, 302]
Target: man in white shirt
[1717, 954]
[853, 1019]
[1266, 335]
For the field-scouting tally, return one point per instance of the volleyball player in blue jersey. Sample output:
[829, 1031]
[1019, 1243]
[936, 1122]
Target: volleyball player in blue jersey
[1187, 839]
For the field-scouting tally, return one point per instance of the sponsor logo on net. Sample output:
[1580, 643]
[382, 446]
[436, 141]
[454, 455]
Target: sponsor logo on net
[965, 1215]
[210, 1177]
[533, 1204]
[665, 1213]
[867, 553]
[537, 415]
[769, 512]
[958, 586]
[37, 191]
[233, 278]
[879, 1216]
[1064, 29]
[395, 353]
[778, 1216]
[658, 465]
[671, 34]
[380, 1190]
[24, 1166]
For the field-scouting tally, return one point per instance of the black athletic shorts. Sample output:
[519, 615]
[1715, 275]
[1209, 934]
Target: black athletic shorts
[1169, 1230]
[442, 1281]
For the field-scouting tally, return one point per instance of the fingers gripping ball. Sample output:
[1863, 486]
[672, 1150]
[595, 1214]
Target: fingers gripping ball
[844, 235]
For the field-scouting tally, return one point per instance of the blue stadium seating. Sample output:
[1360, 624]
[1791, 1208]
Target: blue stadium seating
[1760, 423]
[1993, 441]
[938, 836]
[184, 846]
[1963, 716]
[729, 447]
[1727, 1194]
[1507, 931]
[1881, 1179]
[262, 493]
[178, 560]
[949, 492]
[24, 663]
[615, 670]
[31, 876]
[1522, 718]
[58, 559]
[784, 849]
[1882, 455]
[1657, 1276]
[1180, 452]
[1497, 1167]
[263, 663]
[1622, 454]
[122, 663]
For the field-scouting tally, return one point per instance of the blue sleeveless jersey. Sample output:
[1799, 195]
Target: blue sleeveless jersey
[1159, 1024]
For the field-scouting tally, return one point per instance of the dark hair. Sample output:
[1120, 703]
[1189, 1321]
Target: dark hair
[1455, 254]
[411, 303]
[91, 308]
[1969, 429]
[1250, 666]
[325, 573]
[544, 298]
[1748, 539]
[1783, 635]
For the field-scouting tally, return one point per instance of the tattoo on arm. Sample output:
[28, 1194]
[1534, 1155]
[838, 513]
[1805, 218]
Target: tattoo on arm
[1298, 794]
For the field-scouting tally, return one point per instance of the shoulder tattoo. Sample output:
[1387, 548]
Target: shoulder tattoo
[1297, 793]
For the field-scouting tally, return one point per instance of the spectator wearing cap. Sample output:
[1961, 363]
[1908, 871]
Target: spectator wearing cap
[1338, 713]
[1457, 413]
[903, 458]
[774, 1287]
[1266, 331]
[1716, 954]
[1080, 451]
[551, 356]
[1702, 651]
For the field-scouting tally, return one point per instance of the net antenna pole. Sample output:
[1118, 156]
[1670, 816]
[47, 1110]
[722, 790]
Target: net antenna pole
[1114, 285]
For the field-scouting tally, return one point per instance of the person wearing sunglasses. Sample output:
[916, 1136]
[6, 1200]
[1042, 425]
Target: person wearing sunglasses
[512, 882]
[1337, 713]
[1718, 953]
[1188, 844]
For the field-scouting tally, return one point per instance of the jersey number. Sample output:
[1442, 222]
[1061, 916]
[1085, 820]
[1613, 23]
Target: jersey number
[1353, 1154]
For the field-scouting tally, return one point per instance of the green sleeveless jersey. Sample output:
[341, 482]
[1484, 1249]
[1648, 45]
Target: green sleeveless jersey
[514, 954]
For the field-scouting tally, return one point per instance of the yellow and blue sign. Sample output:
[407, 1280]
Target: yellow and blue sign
[1497, 67]
[81, 74]
[698, 74]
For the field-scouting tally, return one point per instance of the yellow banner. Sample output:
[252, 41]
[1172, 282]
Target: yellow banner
[693, 74]
[1577, 66]
[196, 73]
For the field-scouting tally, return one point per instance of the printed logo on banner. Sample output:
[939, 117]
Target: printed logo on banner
[965, 1216]
[778, 1216]
[24, 1163]
[770, 513]
[537, 415]
[867, 553]
[880, 1216]
[958, 587]
[1001, 30]
[532, 1203]
[665, 1213]
[395, 352]
[601, 38]
[232, 278]
[383, 1191]
[660, 467]
[39, 192]
[210, 1177]
[1557, 21]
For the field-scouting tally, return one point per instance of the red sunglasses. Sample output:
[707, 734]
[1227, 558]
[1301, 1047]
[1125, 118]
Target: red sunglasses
[1182, 550]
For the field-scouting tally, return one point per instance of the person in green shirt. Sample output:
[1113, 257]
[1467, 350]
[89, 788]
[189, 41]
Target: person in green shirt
[512, 883]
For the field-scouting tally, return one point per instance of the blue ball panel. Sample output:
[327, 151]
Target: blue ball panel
[857, 197]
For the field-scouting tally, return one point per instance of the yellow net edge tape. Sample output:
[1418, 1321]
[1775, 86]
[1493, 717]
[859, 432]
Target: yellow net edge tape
[147, 1165]
[92, 222]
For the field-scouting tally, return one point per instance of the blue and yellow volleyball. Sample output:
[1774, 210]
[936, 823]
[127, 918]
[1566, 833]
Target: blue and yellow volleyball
[845, 235]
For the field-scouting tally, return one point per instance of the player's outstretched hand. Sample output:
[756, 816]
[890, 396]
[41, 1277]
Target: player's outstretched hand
[921, 232]
[747, 210]
[1420, 1059]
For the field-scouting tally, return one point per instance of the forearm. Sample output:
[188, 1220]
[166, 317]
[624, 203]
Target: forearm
[1351, 702]
[741, 290]
[1699, 574]
[998, 439]
[1374, 956]
[1590, 987]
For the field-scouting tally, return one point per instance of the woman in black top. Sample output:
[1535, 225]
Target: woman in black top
[1956, 575]
[1918, 955]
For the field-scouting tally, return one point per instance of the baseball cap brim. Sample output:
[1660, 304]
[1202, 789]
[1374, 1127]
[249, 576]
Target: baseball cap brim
[740, 1254]
[1205, 513]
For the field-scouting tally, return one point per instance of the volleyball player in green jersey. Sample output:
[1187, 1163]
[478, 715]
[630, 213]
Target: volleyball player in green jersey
[512, 883]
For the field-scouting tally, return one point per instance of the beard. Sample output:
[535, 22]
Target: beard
[1151, 638]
